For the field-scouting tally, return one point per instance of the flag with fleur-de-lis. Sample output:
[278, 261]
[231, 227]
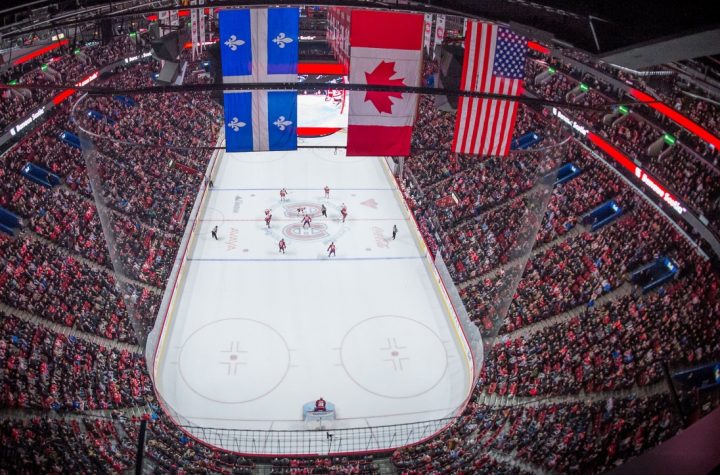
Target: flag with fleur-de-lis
[256, 46]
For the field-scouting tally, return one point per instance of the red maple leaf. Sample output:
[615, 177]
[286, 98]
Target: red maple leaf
[382, 75]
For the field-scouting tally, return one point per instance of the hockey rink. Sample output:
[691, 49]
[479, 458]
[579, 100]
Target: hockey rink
[253, 334]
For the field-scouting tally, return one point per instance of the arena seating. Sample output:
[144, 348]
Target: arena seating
[46, 370]
[690, 168]
[61, 67]
[557, 340]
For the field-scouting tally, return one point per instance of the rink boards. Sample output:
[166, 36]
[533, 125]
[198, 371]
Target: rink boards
[251, 334]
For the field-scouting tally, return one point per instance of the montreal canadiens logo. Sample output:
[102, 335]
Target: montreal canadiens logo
[298, 232]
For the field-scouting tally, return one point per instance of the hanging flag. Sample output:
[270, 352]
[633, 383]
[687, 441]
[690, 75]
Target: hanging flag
[194, 28]
[164, 21]
[386, 49]
[260, 45]
[439, 32]
[174, 20]
[428, 32]
[201, 25]
[494, 63]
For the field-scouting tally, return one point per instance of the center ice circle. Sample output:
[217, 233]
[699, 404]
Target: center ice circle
[234, 360]
[320, 228]
[393, 356]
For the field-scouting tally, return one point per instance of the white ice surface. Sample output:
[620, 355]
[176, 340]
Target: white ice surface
[254, 334]
[315, 110]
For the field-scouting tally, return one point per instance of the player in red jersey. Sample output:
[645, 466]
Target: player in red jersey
[268, 217]
[327, 191]
[343, 211]
[283, 194]
[331, 249]
[320, 405]
[307, 220]
[282, 245]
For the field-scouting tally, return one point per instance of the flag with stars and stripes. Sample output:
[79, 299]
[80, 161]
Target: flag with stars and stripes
[494, 63]
[256, 46]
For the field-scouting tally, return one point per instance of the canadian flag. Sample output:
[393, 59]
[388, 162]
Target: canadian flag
[386, 49]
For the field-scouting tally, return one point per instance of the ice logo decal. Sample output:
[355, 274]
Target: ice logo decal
[281, 40]
[299, 232]
[233, 42]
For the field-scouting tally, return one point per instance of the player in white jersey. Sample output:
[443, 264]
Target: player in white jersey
[283, 194]
[268, 218]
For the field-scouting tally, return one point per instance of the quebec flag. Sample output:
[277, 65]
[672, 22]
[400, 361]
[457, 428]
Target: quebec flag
[260, 45]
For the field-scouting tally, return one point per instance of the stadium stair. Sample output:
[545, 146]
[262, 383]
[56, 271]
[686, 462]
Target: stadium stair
[578, 229]
[494, 400]
[512, 460]
[67, 331]
[93, 264]
[621, 291]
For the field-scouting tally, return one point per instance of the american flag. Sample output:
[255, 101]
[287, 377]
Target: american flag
[494, 63]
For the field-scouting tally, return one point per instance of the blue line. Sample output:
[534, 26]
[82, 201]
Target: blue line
[303, 189]
[285, 259]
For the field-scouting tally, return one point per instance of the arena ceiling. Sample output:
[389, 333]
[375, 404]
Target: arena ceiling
[599, 27]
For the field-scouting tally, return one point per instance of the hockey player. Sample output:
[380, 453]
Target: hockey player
[327, 192]
[307, 220]
[344, 213]
[394, 231]
[267, 212]
[323, 210]
[214, 233]
[282, 245]
[331, 249]
[268, 218]
[283, 194]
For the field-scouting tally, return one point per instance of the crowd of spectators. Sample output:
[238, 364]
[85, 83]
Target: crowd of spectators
[633, 135]
[42, 369]
[327, 465]
[576, 437]
[62, 446]
[146, 224]
[59, 66]
[480, 214]
[615, 345]
[690, 168]
[50, 282]
[587, 437]
[695, 180]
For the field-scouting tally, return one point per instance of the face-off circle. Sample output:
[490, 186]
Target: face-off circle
[393, 356]
[234, 360]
